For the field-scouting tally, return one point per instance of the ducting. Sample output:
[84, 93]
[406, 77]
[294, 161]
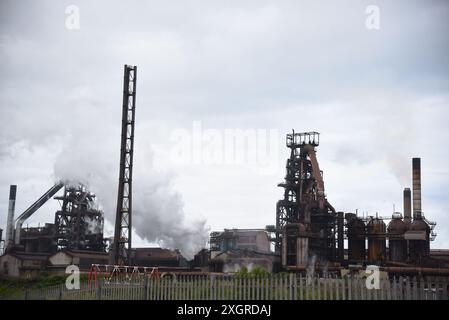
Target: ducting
[33, 208]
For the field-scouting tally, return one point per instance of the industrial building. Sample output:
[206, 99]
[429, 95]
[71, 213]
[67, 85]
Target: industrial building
[308, 230]
[240, 239]
[23, 265]
[232, 249]
[76, 235]
[157, 257]
[78, 225]
[58, 262]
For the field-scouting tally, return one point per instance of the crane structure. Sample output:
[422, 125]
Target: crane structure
[123, 220]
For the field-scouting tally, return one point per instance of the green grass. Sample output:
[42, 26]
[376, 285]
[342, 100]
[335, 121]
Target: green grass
[13, 287]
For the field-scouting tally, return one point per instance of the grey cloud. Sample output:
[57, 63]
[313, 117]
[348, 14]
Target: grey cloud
[375, 97]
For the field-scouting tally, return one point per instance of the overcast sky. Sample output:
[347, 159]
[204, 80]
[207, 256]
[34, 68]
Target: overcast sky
[378, 96]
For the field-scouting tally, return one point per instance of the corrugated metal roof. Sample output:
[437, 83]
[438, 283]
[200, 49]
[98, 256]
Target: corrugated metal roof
[86, 254]
[154, 253]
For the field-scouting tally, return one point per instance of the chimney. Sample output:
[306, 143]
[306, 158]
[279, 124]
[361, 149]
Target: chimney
[407, 205]
[416, 171]
[10, 219]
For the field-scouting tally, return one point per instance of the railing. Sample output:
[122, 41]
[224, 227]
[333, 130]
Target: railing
[269, 287]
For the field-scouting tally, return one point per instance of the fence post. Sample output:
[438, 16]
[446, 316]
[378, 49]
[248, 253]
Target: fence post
[318, 285]
[291, 286]
[60, 291]
[145, 288]
[445, 288]
[348, 288]
[212, 288]
[99, 290]
[313, 286]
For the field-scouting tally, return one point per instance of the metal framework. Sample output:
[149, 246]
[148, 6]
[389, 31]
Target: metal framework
[34, 207]
[123, 219]
[79, 225]
[114, 274]
[304, 199]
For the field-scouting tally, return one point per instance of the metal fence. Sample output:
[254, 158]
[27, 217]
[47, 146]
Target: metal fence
[266, 287]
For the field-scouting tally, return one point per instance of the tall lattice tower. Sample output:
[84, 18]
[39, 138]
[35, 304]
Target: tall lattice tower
[123, 219]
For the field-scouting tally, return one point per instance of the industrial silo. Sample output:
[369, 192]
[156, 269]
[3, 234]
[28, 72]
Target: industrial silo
[397, 245]
[376, 231]
[356, 238]
[419, 243]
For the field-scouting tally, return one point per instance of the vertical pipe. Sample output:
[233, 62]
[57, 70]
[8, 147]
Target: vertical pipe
[10, 220]
[340, 230]
[416, 171]
[407, 205]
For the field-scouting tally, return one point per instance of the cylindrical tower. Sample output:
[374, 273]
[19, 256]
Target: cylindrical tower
[419, 244]
[407, 206]
[416, 180]
[376, 231]
[397, 245]
[9, 237]
[419, 247]
[356, 238]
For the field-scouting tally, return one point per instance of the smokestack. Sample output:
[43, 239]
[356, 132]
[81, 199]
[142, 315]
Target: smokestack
[10, 220]
[416, 169]
[407, 205]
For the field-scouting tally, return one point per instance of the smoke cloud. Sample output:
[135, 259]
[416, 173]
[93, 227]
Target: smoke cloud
[158, 210]
[399, 165]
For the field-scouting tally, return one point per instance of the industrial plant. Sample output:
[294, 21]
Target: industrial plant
[308, 234]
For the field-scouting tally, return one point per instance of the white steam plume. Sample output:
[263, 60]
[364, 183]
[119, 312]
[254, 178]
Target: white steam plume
[158, 213]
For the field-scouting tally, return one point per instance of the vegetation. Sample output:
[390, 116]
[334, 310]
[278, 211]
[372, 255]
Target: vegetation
[255, 272]
[12, 287]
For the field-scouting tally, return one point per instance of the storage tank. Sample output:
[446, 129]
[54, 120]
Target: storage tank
[397, 245]
[376, 231]
[419, 244]
[356, 238]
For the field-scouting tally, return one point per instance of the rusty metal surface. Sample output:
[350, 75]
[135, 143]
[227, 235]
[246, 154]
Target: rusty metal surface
[397, 250]
[419, 249]
[376, 231]
[123, 219]
[340, 236]
[417, 270]
[9, 237]
[416, 180]
[356, 238]
[407, 205]
[305, 202]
